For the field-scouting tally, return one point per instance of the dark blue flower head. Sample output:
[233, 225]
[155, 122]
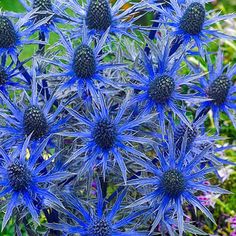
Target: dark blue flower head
[197, 139]
[84, 61]
[100, 227]
[179, 133]
[219, 88]
[160, 87]
[101, 15]
[193, 18]
[11, 35]
[106, 133]
[191, 22]
[41, 5]
[175, 180]
[21, 180]
[35, 122]
[30, 116]
[8, 34]
[100, 220]
[19, 175]
[45, 12]
[84, 65]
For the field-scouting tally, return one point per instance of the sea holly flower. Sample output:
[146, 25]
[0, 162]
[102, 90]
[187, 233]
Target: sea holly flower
[11, 35]
[191, 22]
[22, 181]
[32, 115]
[100, 15]
[197, 140]
[84, 65]
[220, 89]
[175, 182]
[52, 10]
[107, 134]
[160, 87]
[99, 220]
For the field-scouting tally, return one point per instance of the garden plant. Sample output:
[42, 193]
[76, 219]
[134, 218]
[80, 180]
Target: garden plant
[117, 118]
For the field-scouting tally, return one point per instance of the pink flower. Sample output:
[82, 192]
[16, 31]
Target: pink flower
[232, 222]
[233, 233]
[208, 199]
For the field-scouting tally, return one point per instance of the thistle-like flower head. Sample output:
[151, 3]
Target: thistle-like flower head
[12, 36]
[101, 15]
[34, 121]
[84, 62]
[99, 220]
[21, 180]
[106, 133]
[8, 34]
[191, 22]
[160, 86]
[84, 65]
[45, 13]
[220, 88]
[193, 18]
[32, 115]
[175, 181]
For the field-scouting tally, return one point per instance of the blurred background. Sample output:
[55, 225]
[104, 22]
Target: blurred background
[224, 208]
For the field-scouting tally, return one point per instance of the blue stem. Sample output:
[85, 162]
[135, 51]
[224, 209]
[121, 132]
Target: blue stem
[42, 51]
[152, 32]
[176, 43]
[3, 61]
[23, 71]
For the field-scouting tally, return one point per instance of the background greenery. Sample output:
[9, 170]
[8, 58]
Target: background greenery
[225, 206]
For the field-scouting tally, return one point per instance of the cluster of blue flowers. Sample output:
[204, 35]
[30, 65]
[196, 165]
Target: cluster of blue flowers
[102, 131]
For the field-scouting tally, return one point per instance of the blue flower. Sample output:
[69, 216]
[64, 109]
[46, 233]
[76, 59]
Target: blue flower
[175, 181]
[191, 22]
[107, 133]
[12, 37]
[49, 10]
[22, 181]
[84, 65]
[160, 88]
[30, 116]
[197, 141]
[99, 221]
[220, 89]
[99, 16]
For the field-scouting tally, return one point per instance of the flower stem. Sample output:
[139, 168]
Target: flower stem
[152, 33]
[41, 50]
[176, 43]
